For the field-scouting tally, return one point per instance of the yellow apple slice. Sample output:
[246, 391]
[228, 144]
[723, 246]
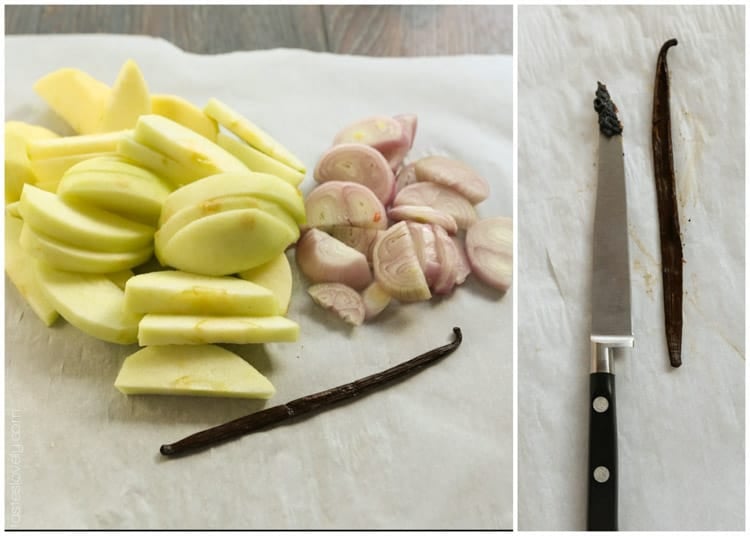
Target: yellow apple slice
[203, 370]
[260, 185]
[252, 134]
[258, 161]
[12, 209]
[175, 292]
[227, 242]
[165, 167]
[125, 189]
[128, 100]
[20, 269]
[276, 276]
[75, 96]
[65, 257]
[158, 330]
[88, 227]
[49, 171]
[40, 149]
[120, 278]
[17, 166]
[184, 145]
[90, 302]
[185, 113]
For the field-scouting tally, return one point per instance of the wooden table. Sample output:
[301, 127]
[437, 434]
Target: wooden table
[365, 30]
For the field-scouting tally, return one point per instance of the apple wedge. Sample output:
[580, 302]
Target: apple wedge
[17, 166]
[252, 134]
[90, 302]
[260, 185]
[88, 227]
[204, 370]
[41, 149]
[227, 242]
[185, 113]
[167, 168]
[20, 269]
[75, 96]
[128, 100]
[65, 257]
[110, 184]
[255, 160]
[12, 209]
[120, 278]
[276, 276]
[159, 330]
[184, 145]
[175, 292]
[49, 171]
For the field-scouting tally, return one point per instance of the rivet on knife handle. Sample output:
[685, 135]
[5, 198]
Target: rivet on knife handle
[669, 222]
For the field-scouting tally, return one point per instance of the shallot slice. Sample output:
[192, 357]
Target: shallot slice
[440, 198]
[489, 248]
[423, 214]
[426, 248]
[376, 299]
[359, 238]
[448, 257]
[355, 162]
[463, 268]
[406, 175]
[323, 259]
[453, 174]
[396, 265]
[383, 133]
[409, 124]
[344, 203]
[342, 300]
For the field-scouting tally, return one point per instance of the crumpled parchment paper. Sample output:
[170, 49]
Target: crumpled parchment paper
[681, 431]
[434, 451]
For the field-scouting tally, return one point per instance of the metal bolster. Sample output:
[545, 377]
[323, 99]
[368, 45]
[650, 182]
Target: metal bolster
[602, 352]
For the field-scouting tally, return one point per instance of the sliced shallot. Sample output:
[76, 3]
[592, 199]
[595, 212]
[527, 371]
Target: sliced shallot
[409, 124]
[376, 299]
[396, 265]
[440, 198]
[344, 203]
[383, 133]
[489, 248]
[453, 174]
[359, 238]
[423, 214]
[355, 162]
[448, 257]
[463, 268]
[406, 175]
[342, 300]
[323, 259]
[426, 248]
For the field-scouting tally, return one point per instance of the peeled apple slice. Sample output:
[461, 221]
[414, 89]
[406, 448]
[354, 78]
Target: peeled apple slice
[127, 101]
[324, 259]
[204, 370]
[19, 266]
[344, 203]
[158, 330]
[65, 257]
[227, 242]
[355, 162]
[489, 248]
[256, 160]
[276, 276]
[88, 227]
[120, 278]
[90, 302]
[65, 91]
[185, 113]
[253, 135]
[49, 171]
[396, 265]
[17, 166]
[41, 149]
[163, 166]
[341, 299]
[175, 292]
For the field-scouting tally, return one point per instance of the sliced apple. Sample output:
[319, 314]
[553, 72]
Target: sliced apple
[11, 209]
[252, 134]
[260, 185]
[185, 113]
[158, 330]
[49, 171]
[20, 269]
[41, 149]
[165, 167]
[227, 242]
[120, 278]
[276, 276]
[255, 160]
[184, 145]
[203, 370]
[65, 257]
[17, 166]
[75, 96]
[90, 302]
[128, 99]
[88, 227]
[175, 292]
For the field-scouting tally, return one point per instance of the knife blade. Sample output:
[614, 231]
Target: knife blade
[611, 325]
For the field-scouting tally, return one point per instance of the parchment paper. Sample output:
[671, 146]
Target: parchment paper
[681, 431]
[434, 451]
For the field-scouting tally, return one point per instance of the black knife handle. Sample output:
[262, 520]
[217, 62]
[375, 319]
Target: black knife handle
[602, 476]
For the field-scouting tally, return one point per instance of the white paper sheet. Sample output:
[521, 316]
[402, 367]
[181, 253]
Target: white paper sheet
[681, 432]
[434, 451]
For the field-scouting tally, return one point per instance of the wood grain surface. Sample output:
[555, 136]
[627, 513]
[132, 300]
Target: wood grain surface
[365, 30]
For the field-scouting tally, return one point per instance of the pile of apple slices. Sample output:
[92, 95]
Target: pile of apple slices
[150, 184]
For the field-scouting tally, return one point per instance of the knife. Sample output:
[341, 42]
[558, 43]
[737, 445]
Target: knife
[611, 327]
